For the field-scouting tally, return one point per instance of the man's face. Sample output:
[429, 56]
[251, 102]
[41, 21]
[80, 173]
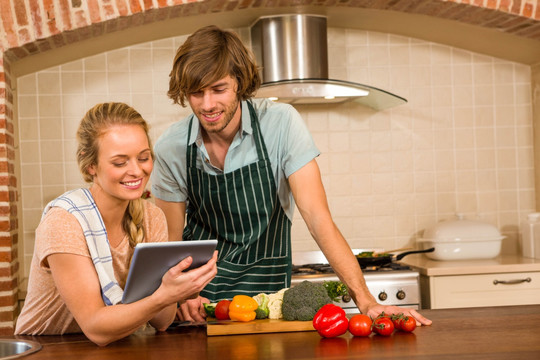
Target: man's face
[216, 105]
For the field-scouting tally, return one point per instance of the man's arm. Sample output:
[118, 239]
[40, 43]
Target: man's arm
[310, 198]
[175, 213]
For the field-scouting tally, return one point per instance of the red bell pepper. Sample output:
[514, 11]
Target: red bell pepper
[331, 321]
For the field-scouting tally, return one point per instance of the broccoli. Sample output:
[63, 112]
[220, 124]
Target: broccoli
[262, 311]
[302, 301]
[336, 289]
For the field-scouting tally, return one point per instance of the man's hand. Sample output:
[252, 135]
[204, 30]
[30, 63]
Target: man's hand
[192, 310]
[377, 309]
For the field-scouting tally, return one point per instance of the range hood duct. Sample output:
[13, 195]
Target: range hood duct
[293, 53]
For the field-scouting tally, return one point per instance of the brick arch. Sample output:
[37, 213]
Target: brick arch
[35, 26]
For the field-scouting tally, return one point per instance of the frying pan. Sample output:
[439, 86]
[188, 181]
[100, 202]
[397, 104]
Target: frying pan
[387, 258]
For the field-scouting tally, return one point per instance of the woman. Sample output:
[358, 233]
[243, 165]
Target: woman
[86, 238]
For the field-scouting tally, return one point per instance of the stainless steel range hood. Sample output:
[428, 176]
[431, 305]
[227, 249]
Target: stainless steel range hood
[292, 51]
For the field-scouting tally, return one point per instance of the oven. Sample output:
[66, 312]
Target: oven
[392, 284]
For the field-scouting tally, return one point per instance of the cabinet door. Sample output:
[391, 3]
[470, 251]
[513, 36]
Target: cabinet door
[483, 290]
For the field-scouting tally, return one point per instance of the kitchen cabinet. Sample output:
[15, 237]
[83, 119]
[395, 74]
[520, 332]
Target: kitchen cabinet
[441, 292]
[505, 280]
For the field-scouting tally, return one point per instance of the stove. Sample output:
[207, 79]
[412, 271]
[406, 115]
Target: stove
[393, 284]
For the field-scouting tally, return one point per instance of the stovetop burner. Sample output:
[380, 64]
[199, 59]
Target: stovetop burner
[307, 269]
[312, 269]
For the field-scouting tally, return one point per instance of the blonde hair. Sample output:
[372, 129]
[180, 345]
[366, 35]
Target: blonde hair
[95, 124]
[208, 55]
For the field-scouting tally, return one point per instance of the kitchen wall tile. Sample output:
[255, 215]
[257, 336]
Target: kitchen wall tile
[445, 181]
[488, 179]
[484, 116]
[48, 83]
[51, 151]
[27, 84]
[485, 159]
[70, 150]
[27, 106]
[29, 152]
[30, 175]
[95, 82]
[464, 160]
[484, 137]
[50, 105]
[119, 83]
[50, 128]
[463, 95]
[71, 106]
[31, 197]
[28, 128]
[403, 183]
[523, 94]
[462, 75]
[53, 173]
[503, 73]
[118, 60]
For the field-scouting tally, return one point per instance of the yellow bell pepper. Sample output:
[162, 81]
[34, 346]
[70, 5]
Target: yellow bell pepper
[242, 308]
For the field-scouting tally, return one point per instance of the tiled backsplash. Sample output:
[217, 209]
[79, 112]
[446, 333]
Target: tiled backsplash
[463, 143]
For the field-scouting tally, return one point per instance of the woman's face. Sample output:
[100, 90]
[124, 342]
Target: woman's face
[124, 162]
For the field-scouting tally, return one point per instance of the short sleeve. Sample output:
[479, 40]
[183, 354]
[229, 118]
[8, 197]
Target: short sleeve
[59, 232]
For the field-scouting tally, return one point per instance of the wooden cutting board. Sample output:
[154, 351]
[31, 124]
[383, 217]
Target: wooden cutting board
[228, 327]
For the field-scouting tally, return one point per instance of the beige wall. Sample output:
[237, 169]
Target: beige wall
[463, 143]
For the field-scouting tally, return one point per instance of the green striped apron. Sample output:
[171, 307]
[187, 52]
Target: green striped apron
[242, 210]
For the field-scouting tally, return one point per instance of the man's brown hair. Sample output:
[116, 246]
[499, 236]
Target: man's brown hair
[208, 55]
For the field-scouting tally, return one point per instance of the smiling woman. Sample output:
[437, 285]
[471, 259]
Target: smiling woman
[85, 240]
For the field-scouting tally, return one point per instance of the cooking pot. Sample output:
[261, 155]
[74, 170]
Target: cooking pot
[386, 258]
[462, 239]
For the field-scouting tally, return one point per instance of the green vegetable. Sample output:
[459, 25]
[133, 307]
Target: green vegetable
[301, 302]
[335, 289]
[210, 309]
[262, 311]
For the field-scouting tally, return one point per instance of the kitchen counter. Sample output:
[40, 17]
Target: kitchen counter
[479, 333]
[500, 264]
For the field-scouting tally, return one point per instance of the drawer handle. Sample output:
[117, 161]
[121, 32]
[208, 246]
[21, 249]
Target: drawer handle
[511, 282]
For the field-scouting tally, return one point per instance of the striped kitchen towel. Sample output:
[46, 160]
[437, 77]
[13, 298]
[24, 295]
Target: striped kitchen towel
[81, 204]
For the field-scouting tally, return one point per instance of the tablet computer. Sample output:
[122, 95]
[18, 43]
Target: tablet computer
[152, 260]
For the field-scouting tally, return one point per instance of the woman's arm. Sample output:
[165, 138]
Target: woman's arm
[77, 282]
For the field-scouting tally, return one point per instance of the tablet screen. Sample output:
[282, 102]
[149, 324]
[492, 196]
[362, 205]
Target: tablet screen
[152, 260]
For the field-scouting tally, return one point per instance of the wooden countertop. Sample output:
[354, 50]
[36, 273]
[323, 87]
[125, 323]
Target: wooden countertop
[500, 264]
[479, 333]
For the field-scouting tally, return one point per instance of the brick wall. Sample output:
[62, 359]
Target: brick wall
[34, 26]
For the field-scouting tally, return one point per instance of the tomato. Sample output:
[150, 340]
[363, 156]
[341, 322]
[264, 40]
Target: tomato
[396, 318]
[222, 310]
[407, 323]
[383, 326]
[360, 325]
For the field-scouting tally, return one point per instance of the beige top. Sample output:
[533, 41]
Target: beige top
[44, 311]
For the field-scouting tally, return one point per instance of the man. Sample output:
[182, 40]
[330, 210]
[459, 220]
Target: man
[234, 170]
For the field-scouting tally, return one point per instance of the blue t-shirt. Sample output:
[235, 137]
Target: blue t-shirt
[288, 141]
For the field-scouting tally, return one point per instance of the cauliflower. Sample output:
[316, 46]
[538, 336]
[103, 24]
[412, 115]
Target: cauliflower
[275, 301]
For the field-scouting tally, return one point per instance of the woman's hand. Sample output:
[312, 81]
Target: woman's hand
[179, 286]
